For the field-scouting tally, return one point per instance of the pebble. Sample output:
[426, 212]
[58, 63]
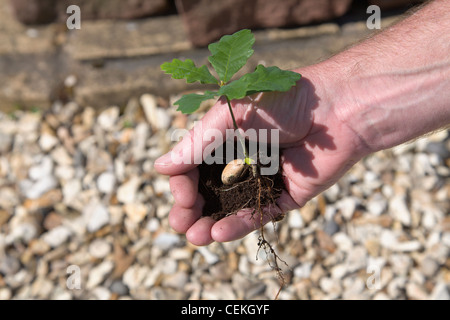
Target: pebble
[9, 265]
[71, 190]
[377, 204]
[158, 118]
[347, 206]
[440, 292]
[303, 271]
[47, 141]
[106, 182]
[295, 219]
[399, 210]
[101, 293]
[5, 142]
[330, 286]
[95, 215]
[136, 212]
[61, 156]
[79, 188]
[99, 248]
[119, 288]
[37, 189]
[429, 267]
[210, 257]
[99, 273]
[135, 275]
[166, 240]
[57, 236]
[126, 192]
[108, 118]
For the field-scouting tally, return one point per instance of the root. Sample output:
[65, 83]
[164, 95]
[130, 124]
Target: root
[274, 263]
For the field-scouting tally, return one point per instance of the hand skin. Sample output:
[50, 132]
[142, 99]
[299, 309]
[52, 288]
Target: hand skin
[380, 93]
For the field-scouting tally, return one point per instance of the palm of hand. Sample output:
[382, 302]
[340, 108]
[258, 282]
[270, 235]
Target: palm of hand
[315, 153]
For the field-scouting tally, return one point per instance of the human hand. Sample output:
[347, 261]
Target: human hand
[316, 149]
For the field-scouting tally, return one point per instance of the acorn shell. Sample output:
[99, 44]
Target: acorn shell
[233, 171]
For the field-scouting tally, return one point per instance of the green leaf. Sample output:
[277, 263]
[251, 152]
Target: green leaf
[262, 79]
[191, 102]
[234, 90]
[187, 70]
[270, 79]
[231, 53]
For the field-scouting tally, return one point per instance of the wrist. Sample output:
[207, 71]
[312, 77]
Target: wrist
[335, 109]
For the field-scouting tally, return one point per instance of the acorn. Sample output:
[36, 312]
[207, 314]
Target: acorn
[233, 171]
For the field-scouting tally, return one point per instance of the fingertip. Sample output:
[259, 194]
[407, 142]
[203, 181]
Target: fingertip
[233, 227]
[184, 188]
[199, 233]
[181, 219]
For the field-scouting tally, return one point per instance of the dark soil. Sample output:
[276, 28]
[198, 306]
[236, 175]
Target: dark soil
[250, 192]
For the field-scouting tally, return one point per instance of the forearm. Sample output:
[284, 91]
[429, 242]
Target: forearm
[396, 86]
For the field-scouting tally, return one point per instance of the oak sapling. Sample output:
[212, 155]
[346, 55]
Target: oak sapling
[228, 56]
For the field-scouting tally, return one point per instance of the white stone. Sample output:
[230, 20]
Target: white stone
[210, 258]
[47, 141]
[106, 182]
[407, 246]
[108, 118]
[153, 276]
[388, 239]
[166, 240]
[98, 274]
[347, 206]
[399, 210]
[295, 219]
[5, 294]
[330, 286]
[135, 275]
[44, 168]
[396, 287]
[65, 173]
[153, 225]
[440, 292]
[101, 293]
[126, 193]
[62, 157]
[303, 271]
[161, 185]
[377, 204]
[136, 212]
[158, 118]
[177, 280]
[71, 190]
[25, 231]
[141, 134]
[416, 292]
[37, 189]
[343, 241]
[339, 271]
[332, 193]
[371, 180]
[57, 236]
[96, 215]
[70, 81]
[99, 248]
[400, 264]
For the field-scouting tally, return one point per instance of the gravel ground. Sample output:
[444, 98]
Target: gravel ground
[83, 215]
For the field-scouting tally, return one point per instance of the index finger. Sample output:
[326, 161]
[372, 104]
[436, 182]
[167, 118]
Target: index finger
[188, 153]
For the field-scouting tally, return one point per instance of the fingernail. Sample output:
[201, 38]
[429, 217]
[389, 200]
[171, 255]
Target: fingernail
[164, 160]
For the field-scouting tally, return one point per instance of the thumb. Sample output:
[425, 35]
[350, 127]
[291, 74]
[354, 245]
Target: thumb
[200, 141]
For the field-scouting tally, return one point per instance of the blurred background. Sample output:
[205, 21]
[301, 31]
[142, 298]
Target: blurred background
[85, 112]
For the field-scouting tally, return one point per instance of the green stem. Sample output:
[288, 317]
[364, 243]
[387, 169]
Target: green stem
[241, 139]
